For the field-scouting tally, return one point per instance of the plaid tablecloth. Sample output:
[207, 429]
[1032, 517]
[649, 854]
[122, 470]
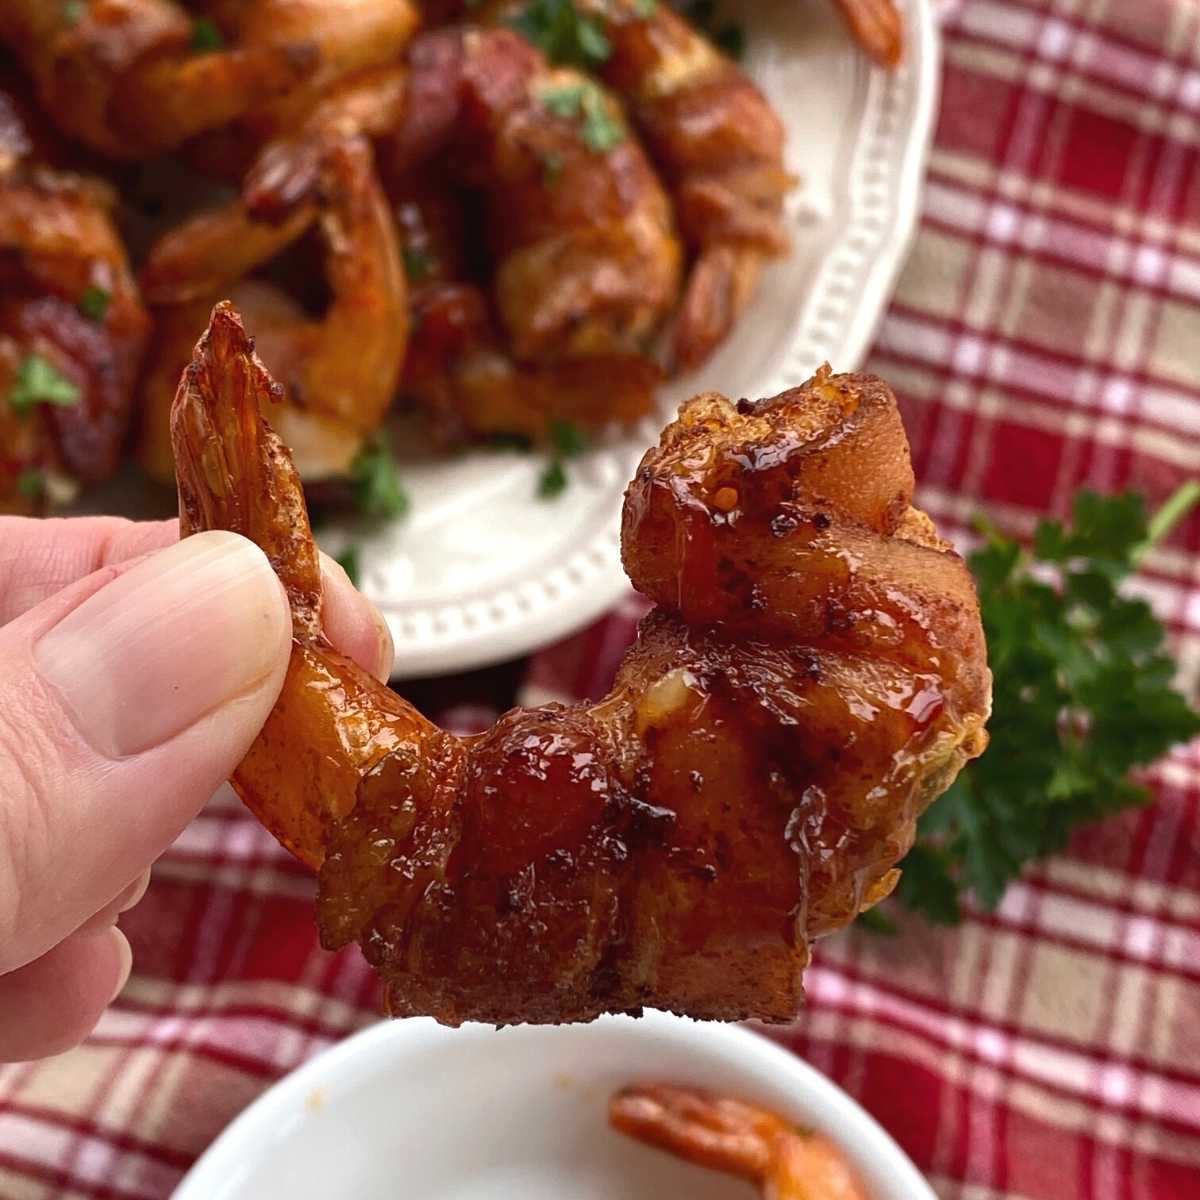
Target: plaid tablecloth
[1045, 333]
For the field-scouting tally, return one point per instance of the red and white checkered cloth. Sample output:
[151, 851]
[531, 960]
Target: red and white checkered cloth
[1045, 334]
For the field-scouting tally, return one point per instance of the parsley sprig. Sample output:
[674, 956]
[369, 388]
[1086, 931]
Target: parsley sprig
[563, 32]
[569, 441]
[1082, 697]
[584, 102]
[378, 491]
[206, 36]
[94, 303]
[39, 381]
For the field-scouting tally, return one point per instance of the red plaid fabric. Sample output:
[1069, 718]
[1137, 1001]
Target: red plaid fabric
[1046, 334]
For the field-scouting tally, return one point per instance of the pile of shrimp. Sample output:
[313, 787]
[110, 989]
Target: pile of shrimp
[813, 675]
[503, 214]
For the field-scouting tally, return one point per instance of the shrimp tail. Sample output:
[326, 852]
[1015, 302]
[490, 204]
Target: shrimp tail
[250, 484]
[877, 28]
[333, 721]
[737, 1138]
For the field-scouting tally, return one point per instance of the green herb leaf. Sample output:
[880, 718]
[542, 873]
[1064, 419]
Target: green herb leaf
[417, 263]
[206, 36]
[349, 561]
[645, 8]
[564, 100]
[600, 129]
[564, 33]
[553, 481]
[31, 483]
[377, 488]
[73, 11]
[1082, 695]
[94, 303]
[568, 439]
[39, 381]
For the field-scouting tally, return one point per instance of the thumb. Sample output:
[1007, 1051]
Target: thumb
[125, 700]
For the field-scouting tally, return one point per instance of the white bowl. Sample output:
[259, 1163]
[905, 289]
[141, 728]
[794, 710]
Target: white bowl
[409, 1110]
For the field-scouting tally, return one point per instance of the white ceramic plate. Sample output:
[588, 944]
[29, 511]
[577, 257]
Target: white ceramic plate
[482, 570]
[409, 1110]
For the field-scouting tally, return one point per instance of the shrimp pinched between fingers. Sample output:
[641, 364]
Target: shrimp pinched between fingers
[340, 371]
[737, 1138]
[813, 677]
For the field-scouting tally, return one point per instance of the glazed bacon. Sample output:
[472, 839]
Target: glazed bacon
[813, 676]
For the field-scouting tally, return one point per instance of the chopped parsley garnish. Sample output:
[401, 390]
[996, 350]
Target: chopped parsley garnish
[565, 100]
[553, 481]
[568, 439]
[417, 263]
[601, 130]
[377, 488]
[73, 11]
[350, 562]
[206, 36]
[94, 303]
[1082, 696]
[645, 8]
[585, 103]
[31, 483]
[39, 381]
[564, 33]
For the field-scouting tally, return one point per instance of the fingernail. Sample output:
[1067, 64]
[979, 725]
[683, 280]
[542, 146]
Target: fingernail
[124, 953]
[387, 648]
[134, 892]
[188, 629]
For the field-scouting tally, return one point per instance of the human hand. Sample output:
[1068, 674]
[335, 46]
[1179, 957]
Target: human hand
[135, 671]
